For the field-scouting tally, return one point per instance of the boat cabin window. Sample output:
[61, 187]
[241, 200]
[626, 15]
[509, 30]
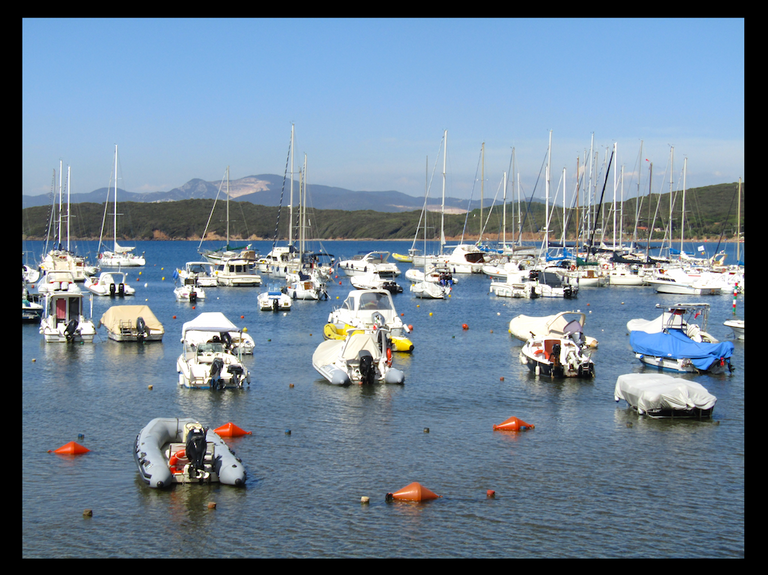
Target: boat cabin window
[375, 301]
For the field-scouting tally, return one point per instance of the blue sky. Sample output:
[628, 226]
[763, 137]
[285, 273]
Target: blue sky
[370, 99]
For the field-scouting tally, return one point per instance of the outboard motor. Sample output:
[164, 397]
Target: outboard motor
[236, 371]
[192, 296]
[112, 290]
[141, 329]
[275, 305]
[71, 330]
[121, 290]
[195, 450]
[554, 357]
[226, 340]
[216, 368]
[367, 369]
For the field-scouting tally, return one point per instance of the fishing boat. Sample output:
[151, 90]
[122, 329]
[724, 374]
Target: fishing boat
[119, 256]
[672, 342]
[559, 325]
[356, 312]
[207, 360]
[274, 300]
[374, 280]
[659, 395]
[369, 262]
[63, 319]
[132, 323]
[171, 450]
[557, 357]
[362, 357]
[111, 284]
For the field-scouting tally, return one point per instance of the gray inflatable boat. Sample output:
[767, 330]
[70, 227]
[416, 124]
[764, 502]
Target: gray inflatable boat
[171, 450]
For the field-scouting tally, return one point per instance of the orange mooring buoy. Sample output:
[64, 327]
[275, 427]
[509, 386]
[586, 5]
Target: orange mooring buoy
[231, 430]
[413, 492]
[71, 448]
[513, 424]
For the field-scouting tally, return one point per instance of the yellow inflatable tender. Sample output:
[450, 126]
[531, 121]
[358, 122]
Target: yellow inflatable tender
[331, 331]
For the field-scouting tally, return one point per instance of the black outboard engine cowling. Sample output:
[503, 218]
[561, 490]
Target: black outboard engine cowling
[367, 369]
[217, 366]
[195, 449]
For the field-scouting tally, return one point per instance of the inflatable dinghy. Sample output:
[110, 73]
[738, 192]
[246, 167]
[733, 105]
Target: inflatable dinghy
[172, 450]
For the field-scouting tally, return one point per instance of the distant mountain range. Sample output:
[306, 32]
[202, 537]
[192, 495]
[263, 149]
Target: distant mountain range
[266, 190]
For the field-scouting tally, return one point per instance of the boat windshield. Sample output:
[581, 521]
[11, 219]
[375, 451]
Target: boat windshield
[211, 347]
[375, 301]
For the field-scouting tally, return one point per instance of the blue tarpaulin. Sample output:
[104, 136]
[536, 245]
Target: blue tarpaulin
[676, 345]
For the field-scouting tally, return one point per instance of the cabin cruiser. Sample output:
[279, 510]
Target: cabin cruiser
[369, 262]
[63, 319]
[237, 272]
[200, 272]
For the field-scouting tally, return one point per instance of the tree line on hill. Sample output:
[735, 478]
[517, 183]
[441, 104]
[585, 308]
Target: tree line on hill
[711, 212]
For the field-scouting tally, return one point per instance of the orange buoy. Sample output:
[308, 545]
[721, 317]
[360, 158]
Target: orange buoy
[413, 492]
[231, 430]
[71, 448]
[464, 326]
[513, 424]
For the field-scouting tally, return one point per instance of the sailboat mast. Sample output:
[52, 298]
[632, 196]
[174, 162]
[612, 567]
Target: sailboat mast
[738, 227]
[482, 193]
[614, 199]
[290, 203]
[546, 196]
[227, 207]
[682, 219]
[114, 225]
[68, 197]
[442, 210]
[58, 240]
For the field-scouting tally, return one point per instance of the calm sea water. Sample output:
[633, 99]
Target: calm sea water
[592, 479]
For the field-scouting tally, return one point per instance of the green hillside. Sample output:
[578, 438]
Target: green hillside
[710, 212]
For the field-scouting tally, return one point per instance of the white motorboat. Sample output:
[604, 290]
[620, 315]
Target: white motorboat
[557, 357]
[660, 395]
[430, 290]
[464, 259]
[188, 290]
[362, 357]
[374, 280]
[132, 323]
[674, 343]
[29, 274]
[200, 272]
[171, 450]
[110, 284]
[274, 300]
[550, 283]
[368, 262]
[438, 274]
[64, 261]
[237, 272]
[588, 276]
[357, 311]
[676, 281]
[63, 319]
[625, 275]
[737, 325]
[559, 325]
[207, 360]
[306, 286]
[513, 284]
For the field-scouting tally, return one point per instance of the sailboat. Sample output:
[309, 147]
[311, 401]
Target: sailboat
[120, 256]
[218, 256]
[60, 259]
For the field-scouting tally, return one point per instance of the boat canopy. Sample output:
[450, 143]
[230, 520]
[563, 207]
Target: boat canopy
[654, 392]
[118, 314]
[675, 344]
[209, 321]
